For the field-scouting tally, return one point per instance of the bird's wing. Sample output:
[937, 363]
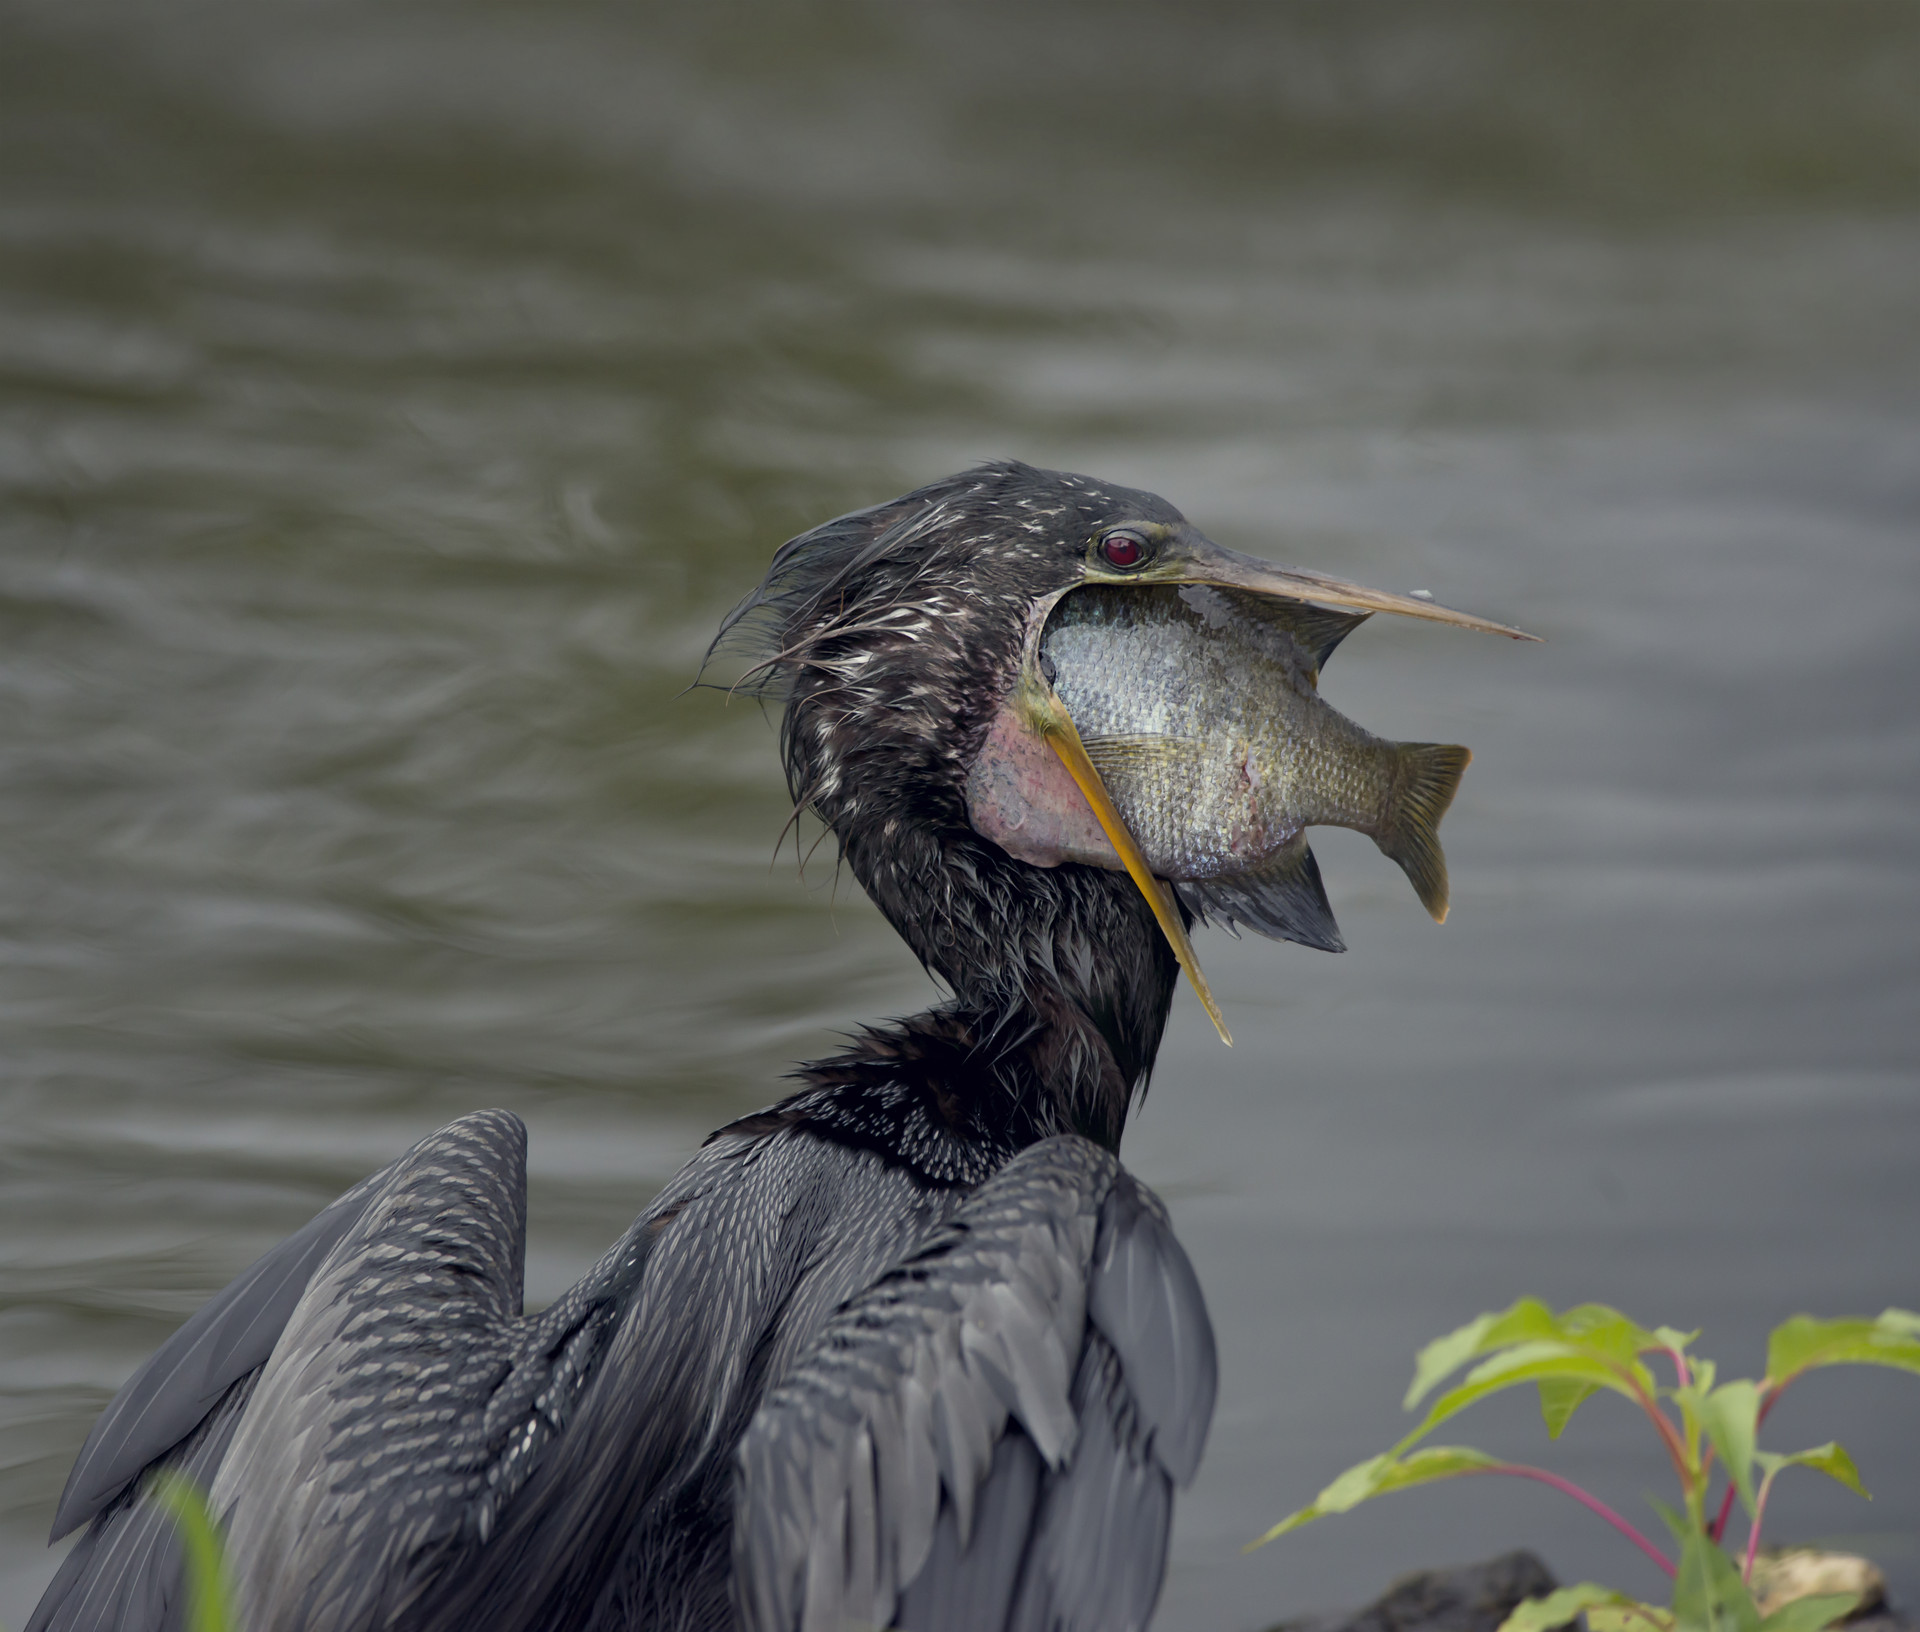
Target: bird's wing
[748, 1251]
[1143, 1396]
[200, 1401]
[366, 1438]
[232, 1335]
[178, 1411]
[988, 1436]
[123, 1575]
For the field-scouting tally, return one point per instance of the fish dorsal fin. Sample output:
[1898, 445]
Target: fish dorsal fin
[1282, 899]
[1317, 629]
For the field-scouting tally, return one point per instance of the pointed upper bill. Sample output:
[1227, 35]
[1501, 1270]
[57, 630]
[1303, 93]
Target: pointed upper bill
[1186, 556]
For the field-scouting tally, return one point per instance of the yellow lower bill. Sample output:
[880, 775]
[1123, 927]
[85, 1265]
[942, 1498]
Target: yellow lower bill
[1064, 740]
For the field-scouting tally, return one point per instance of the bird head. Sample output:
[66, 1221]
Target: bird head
[904, 642]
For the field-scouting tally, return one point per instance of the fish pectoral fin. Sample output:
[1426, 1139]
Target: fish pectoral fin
[1425, 780]
[1282, 899]
[1317, 629]
[1134, 756]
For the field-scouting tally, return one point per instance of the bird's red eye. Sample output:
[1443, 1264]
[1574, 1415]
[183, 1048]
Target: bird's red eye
[1123, 550]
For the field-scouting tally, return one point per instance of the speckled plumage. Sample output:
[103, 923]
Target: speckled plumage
[909, 1347]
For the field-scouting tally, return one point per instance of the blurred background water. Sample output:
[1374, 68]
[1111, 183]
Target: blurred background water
[392, 398]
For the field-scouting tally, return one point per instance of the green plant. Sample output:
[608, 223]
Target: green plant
[1706, 1428]
[209, 1604]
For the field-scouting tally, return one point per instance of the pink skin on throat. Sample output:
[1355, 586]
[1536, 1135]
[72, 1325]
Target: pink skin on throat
[1021, 797]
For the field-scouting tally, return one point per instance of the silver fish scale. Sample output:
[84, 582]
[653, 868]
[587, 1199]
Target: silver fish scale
[1207, 728]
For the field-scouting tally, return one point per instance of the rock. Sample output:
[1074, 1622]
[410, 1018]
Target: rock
[1478, 1597]
[1880, 1620]
[1471, 1598]
[1782, 1574]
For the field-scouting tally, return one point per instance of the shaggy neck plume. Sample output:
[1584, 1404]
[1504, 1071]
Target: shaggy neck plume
[1061, 980]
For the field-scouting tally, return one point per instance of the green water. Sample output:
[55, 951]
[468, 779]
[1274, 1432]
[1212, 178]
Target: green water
[392, 399]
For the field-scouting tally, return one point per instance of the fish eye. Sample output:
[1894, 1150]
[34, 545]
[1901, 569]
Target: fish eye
[1122, 548]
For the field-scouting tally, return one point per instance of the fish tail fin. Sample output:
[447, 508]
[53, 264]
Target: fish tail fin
[1426, 777]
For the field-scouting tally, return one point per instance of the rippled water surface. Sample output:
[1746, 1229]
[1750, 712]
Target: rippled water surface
[393, 398]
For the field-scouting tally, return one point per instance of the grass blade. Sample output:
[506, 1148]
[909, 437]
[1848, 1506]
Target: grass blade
[209, 1606]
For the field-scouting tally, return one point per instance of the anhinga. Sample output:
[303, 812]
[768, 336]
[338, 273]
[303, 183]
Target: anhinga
[910, 1348]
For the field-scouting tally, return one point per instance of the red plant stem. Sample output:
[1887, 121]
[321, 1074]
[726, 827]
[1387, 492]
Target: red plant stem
[1719, 1526]
[1669, 1435]
[1681, 1374]
[1591, 1503]
[1753, 1530]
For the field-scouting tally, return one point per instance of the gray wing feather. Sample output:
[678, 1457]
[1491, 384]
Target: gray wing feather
[989, 1436]
[364, 1442]
[1143, 1294]
[347, 1370]
[162, 1402]
[907, 1393]
[965, 1586]
[1098, 1549]
[123, 1575]
[1143, 1396]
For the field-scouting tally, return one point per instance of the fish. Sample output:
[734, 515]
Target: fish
[1199, 708]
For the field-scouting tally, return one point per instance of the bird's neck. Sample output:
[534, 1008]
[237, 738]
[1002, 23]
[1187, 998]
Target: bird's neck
[1061, 979]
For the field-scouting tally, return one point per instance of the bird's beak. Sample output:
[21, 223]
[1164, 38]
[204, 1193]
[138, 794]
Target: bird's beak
[1187, 556]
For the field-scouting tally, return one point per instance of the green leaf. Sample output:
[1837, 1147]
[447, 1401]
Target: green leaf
[1564, 1359]
[1560, 1397]
[1379, 1475]
[1668, 1338]
[1708, 1592]
[1607, 1334]
[1812, 1614]
[209, 1607]
[1558, 1608]
[1803, 1343]
[1596, 1330]
[1672, 1520]
[1630, 1616]
[1444, 1356]
[1830, 1459]
[1525, 1317]
[1731, 1415]
[1522, 1363]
